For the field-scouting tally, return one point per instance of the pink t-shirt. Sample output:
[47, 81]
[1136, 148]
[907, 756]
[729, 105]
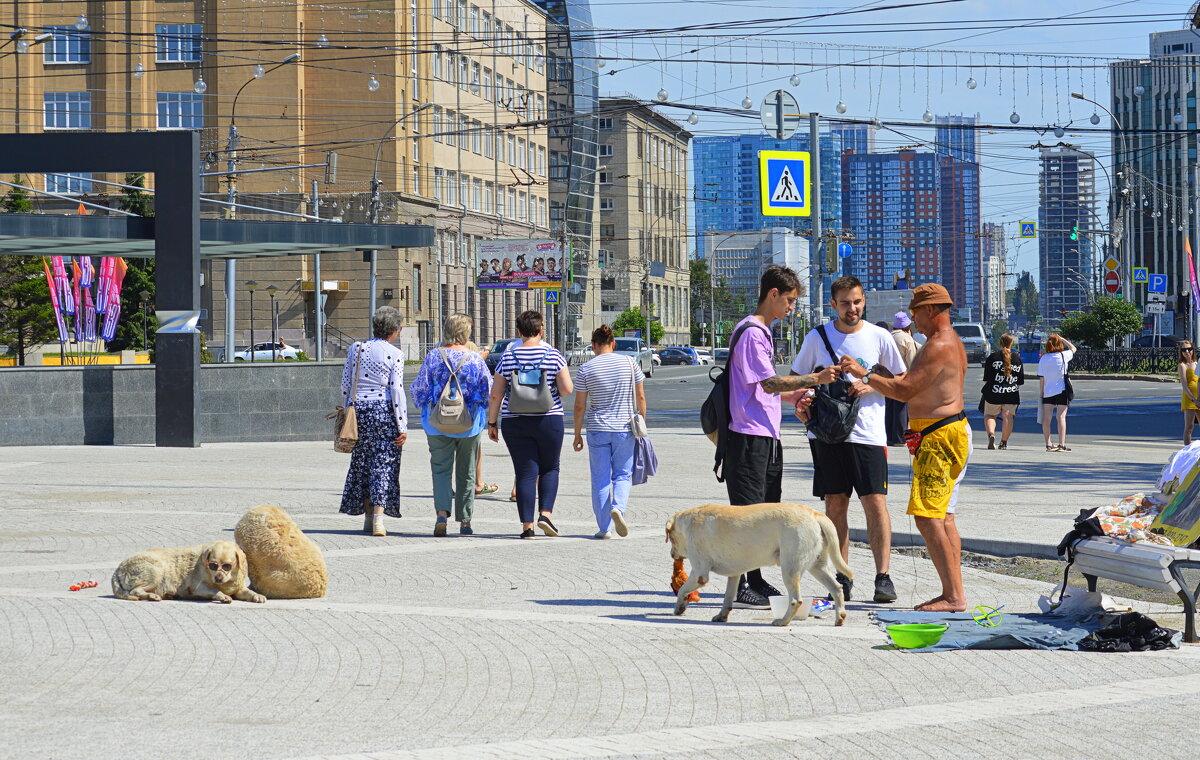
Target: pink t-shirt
[752, 410]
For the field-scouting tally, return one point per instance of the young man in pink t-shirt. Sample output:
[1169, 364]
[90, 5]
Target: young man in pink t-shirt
[753, 466]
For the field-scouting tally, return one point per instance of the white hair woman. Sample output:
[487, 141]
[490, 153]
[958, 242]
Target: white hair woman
[456, 367]
[373, 383]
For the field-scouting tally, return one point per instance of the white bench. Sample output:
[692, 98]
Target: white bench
[1146, 565]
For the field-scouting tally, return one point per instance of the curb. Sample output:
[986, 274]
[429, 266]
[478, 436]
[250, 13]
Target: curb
[1143, 378]
[994, 547]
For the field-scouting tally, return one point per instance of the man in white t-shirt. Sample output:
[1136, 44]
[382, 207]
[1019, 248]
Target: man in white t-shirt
[860, 463]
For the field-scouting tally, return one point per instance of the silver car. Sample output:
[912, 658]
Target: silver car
[637, 349]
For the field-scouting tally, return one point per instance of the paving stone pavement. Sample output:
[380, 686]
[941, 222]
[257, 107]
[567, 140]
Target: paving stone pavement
[491, 647]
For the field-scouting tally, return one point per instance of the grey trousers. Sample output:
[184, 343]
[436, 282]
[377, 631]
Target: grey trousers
[457, 454]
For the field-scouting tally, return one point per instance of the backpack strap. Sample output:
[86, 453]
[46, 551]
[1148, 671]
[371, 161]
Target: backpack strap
[828, 345]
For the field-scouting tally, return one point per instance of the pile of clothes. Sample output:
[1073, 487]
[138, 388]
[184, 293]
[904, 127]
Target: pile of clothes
[1131, 632]
[1130, 518]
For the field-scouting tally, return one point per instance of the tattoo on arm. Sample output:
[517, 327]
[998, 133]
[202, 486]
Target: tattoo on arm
[779, 384]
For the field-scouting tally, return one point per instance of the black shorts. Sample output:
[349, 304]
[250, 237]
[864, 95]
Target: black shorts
[1057, 400]
[753, 469]
[839, 468]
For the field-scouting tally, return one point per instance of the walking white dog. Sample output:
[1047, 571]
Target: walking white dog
[730, 541]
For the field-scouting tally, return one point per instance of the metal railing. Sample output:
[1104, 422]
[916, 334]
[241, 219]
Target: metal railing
[1156, 361]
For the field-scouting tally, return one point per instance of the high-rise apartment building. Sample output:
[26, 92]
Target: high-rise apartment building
[726, 183]
[449, 121]
[1066, 207]
[961, 262]
[995, 266]
[644, 215]
[1154, 100]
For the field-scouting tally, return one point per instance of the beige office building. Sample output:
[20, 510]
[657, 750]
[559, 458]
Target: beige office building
[435, 121]
[643, 235]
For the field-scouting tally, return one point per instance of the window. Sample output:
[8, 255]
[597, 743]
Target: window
[68, 46]
[477, 138]
[474, 21]
[486, 89]
[451, 188]
[605, 178]
[418, 288]
[608, 231]
[500, 201]
[606, 151]
[541, 161]
[451, 122]
[512, 150]
[439, 179]
[489, 143]
[638, 139]
[488, 190]
[521, 153]
[606, 123]
[437, 123]
[522, 207]
[485, 24]
[180, 110]
[606, 204]
[69, 184]
[477, 195]
[512, 203]
[177, 43]
[461, 19]
[67, 110]
[437, 61]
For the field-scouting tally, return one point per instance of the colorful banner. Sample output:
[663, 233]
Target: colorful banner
[519, 264]
[78, 313]
[89, 271]
[58, 316]
[62, 284]
[113, 312]
[1187, 248]
[89, 316]
[106, 272]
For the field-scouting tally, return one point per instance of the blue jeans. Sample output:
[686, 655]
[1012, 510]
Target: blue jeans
[611, 458]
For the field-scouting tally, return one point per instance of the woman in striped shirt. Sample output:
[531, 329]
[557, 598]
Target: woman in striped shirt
[533, 431]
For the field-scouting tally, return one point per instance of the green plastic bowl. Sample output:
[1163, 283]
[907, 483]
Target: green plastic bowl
[916, 635]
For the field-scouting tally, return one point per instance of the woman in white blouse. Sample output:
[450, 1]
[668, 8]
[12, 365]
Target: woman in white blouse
[373, 382]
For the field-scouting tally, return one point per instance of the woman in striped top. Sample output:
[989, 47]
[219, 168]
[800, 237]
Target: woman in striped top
[534, 438]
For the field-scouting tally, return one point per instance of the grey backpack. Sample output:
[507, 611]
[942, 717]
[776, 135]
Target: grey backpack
[529, 389]
[450, 415]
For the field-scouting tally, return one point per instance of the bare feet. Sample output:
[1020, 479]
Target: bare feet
[941, 604]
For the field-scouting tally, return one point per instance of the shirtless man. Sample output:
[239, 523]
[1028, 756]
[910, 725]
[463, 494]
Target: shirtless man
[933, 389]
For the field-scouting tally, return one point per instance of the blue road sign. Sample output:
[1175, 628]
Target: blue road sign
[1158, 283]
[551, 296]
[845, 249]
[1141, 274]
[1028, 229]
[784, 182]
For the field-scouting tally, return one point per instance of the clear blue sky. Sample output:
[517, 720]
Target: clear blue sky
[1041, 95]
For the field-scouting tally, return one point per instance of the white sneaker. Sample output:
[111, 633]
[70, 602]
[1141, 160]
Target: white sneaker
[619, 523]
[603, 534]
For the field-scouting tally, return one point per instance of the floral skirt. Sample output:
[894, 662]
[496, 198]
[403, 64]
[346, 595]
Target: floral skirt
[374, 474]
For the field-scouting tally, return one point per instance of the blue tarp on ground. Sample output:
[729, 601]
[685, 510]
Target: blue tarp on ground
[1016, 631]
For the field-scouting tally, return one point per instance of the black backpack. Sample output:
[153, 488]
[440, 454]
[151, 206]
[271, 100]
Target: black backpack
[834, 409]
[714, 414]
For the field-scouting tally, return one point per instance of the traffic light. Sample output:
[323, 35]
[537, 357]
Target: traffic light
[1075, 232]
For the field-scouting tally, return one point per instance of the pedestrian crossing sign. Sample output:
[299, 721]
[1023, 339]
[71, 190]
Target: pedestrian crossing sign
[785, 181]
[551, 297]
[1028, 229]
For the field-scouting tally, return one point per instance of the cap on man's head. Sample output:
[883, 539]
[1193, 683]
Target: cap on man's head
[900, 321]
[929, 294]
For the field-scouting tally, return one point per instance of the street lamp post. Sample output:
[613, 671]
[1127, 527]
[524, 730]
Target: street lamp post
[231, 145]
[251, 286]
[274, 342]
[375, 203]
[145, 296]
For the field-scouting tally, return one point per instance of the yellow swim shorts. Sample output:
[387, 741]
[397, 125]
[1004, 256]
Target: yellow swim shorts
[938, 468]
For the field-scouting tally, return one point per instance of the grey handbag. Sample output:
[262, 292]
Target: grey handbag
[529, 389]
[450, 415]
[637, 423]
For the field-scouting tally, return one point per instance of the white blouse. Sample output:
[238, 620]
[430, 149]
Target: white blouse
[380, 377]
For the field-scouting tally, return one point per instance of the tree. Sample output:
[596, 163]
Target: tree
[139, 276]
[136, 201]
[26, 316]
[632, 319]
[1025, 296]
[701, 296]
[1108, 318]
[16, 200]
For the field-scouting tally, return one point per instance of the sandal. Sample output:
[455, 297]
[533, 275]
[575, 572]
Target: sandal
[1003, 445]
[1051, 448]
[487, 488]
[1061, 447]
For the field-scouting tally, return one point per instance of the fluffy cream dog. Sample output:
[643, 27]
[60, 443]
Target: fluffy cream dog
[731, 541]
[284, 563]
[214, 571]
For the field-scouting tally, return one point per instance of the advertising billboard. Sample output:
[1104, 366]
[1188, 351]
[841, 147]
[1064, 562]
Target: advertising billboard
[519, 264]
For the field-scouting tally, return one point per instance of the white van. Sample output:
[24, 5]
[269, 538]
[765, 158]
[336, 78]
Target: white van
[974, 339]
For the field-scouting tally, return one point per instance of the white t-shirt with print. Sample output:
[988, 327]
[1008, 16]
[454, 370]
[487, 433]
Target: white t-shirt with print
[1053, 367]
[871, 345]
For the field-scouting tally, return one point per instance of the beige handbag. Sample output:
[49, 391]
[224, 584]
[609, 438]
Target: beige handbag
[345, 420]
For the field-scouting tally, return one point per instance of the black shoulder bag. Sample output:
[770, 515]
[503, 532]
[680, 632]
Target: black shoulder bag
[834, 408]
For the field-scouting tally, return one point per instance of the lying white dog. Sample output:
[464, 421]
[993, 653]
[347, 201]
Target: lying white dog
[730, 541]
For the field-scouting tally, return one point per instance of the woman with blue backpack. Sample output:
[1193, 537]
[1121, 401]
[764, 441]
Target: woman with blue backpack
[451, 390]
[526, 405]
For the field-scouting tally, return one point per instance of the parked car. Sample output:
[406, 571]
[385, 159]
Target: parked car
[691, 352]
[264, 352]
[656, 358]
[676, 356]
[721, 356]
[974, 339]
[705, 356]
[1159, 341]
[493, 358]
[637, 349]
